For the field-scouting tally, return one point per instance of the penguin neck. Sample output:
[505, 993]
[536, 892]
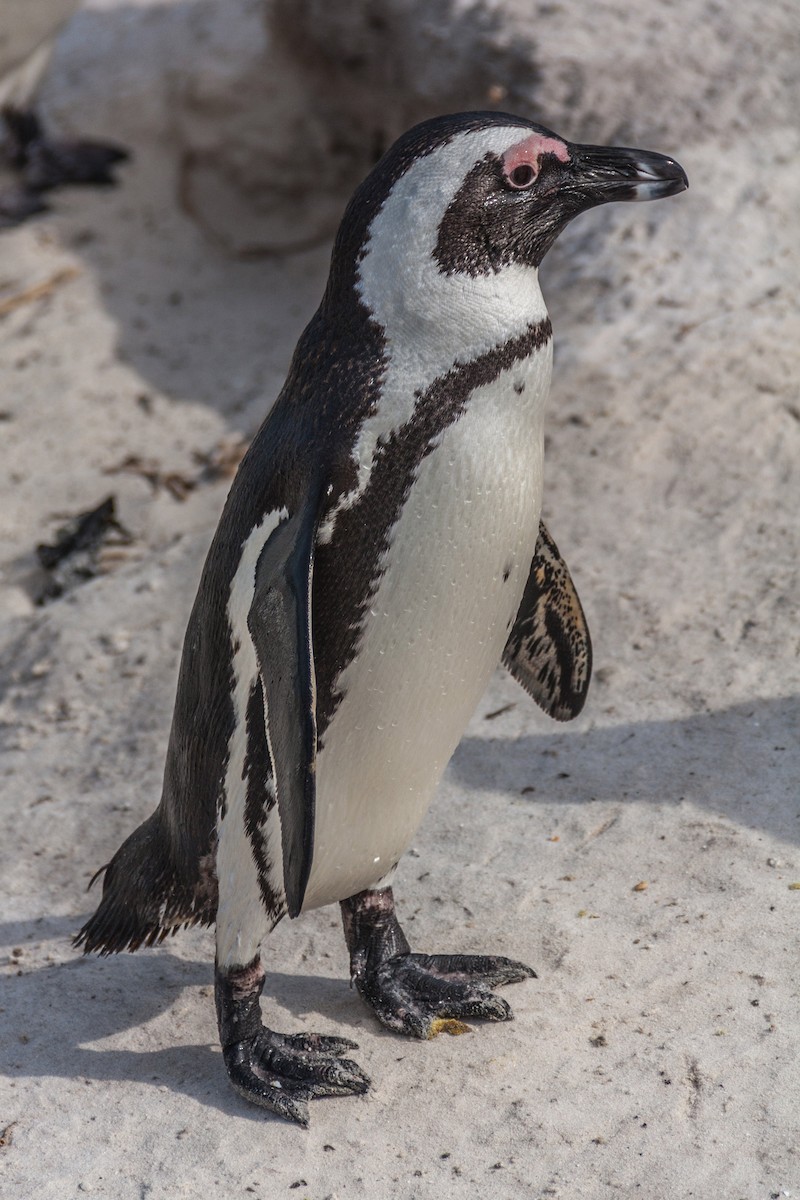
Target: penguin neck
[432, 322]
[420, 364]
[447, 321]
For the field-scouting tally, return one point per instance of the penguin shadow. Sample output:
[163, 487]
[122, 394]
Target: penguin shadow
[740, 762]
[58, 1014]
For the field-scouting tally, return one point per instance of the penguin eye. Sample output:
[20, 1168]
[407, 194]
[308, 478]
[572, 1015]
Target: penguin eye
[522, 176]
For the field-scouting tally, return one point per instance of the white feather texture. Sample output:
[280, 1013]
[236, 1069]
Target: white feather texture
[435, 632]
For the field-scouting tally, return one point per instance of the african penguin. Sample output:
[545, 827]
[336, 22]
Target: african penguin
[379, 554]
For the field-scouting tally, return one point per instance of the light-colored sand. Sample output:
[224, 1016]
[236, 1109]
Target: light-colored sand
[656, 1055]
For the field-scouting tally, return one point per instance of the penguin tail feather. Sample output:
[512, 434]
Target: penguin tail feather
[143, 900]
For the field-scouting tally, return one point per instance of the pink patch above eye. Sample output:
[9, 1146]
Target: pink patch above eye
[530, 151]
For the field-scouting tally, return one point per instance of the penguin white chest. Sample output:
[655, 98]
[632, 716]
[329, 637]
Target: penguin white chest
[450, 586]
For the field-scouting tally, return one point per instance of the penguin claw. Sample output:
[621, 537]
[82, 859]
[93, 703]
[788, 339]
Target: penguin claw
[270, 1071]
[492, 970]
[314, 1043]
[280, 1072]
[292, 1060]
[420, 995]
[411, 998]
[266, 1094]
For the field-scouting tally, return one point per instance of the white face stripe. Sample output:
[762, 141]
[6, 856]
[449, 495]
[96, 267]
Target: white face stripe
[431, 320]
[242, 920]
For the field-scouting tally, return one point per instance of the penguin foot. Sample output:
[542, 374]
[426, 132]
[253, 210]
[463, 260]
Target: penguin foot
[420, 995]
[276, 1071]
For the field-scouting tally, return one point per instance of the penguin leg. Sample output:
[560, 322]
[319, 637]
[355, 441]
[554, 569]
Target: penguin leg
[278, 1072]
[420, 995]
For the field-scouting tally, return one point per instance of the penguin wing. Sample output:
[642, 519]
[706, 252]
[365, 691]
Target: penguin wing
[279, 622]
[549, 651]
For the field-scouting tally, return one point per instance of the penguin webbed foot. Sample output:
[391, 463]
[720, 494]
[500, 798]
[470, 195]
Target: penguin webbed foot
[420, 995]
[276, 1071]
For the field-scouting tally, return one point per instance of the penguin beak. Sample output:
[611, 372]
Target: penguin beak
[603, 173]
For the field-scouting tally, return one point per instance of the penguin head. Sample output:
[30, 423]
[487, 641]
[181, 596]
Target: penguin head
[514, 201]
[477, 199]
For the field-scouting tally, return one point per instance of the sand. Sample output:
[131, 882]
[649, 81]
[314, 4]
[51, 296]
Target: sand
[643, 858]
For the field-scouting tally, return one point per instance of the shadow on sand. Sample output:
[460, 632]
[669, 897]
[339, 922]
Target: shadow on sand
[55, 1015]
[740, 762]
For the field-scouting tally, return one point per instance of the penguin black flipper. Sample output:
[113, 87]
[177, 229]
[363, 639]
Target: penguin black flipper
[279, 622]
[277, 1072]
[549, 651]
